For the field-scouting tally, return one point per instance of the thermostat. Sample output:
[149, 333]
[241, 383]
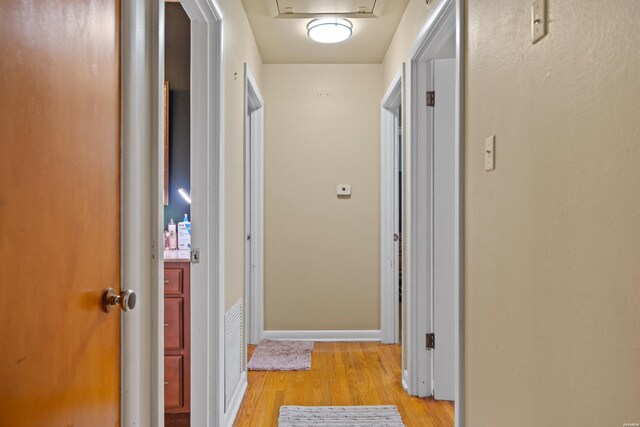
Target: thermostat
[343, 190]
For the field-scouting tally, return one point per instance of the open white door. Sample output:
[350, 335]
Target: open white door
[397, 223]
[254, 208]
[444, 221]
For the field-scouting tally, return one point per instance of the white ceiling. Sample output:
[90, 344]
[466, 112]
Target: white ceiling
[281, 33]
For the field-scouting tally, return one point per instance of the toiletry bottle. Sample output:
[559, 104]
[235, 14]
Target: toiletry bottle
[184, 234]
[173, 238]
[167, 240]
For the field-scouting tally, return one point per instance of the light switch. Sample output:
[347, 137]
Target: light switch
[538, 20]
[489, 153]
[343, 190]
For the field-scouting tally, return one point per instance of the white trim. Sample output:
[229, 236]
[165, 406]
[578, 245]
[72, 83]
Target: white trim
[207, 192]
[418, 238]
[389, 290]
[141, 219]
[328, 336]
[236, 401]
[459, 213]
[405, 380]
[254, 218]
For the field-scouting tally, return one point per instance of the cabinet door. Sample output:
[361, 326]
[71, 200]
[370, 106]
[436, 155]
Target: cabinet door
[173, 281]
[173, 381]
[173, 324]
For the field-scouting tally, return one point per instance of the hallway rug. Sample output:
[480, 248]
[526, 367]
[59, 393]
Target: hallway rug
[336, 416]
[272, 355]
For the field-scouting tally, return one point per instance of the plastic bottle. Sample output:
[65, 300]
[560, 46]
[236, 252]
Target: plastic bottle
[173, 237]
[184, 234]
[167, 240]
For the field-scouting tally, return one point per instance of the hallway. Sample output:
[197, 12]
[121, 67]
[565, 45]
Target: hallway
[342, 373]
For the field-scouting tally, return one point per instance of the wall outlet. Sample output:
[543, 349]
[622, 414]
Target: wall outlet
[489, 153]
[343, 190]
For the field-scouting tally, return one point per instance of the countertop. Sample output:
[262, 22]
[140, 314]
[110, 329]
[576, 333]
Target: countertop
[177, 255]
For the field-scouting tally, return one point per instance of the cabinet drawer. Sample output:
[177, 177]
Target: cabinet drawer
[173, 281]
[173, 324]
[173, 381]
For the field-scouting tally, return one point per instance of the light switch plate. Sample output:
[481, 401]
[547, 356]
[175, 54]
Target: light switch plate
[489, 153]
[538, 20]
[343, 190]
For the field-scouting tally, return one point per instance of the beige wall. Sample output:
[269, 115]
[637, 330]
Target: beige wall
[239, 47]
[553, 234]
[414, 18]
[321, 252]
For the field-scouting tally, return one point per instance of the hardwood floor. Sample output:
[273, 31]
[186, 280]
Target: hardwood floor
[341, 374]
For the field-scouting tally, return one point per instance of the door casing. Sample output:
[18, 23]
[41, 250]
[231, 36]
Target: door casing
[442, 23]
[390, 119]
[143, 214]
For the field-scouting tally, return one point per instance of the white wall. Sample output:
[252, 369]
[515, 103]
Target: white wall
[321, 252]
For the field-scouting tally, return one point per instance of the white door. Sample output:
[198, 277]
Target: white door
[444, 228]
[254, 202]
[397, 222]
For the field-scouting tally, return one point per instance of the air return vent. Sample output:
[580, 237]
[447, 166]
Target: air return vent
[233, 350]
[319, 8]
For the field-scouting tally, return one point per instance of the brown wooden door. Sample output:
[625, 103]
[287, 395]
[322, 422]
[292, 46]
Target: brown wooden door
[59, 212]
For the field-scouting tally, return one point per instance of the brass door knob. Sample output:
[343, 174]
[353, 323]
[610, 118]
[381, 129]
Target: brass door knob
[126, 300]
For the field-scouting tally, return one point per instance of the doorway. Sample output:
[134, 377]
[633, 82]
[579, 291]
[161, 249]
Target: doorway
[177, 214]
[254, 208]
[391, 212]
[202, 306]
[433, 241]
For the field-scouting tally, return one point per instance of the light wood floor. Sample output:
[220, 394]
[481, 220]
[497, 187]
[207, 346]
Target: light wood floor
[341, 374]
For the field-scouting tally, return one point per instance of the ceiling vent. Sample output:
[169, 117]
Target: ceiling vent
[305, 9]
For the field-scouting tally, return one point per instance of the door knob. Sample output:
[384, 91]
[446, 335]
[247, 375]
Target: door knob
[126, 300]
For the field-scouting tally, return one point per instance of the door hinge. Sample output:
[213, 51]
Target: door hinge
[431, 98]
[195, 256]
[431, 341]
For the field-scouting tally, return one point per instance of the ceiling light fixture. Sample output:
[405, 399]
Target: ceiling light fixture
[329, 30]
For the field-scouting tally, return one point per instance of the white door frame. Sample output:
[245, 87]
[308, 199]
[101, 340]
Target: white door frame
[448, 17]
[389, 267]
[143, 218]
[254, 216]
[207, 217]
[141, 213]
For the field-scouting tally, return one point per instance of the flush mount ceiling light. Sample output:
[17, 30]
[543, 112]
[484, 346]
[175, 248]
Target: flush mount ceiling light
[329, 30]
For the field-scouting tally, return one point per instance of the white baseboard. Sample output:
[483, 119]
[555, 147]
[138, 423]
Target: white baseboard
[236, 401]
[329, 336]
[405, 380]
